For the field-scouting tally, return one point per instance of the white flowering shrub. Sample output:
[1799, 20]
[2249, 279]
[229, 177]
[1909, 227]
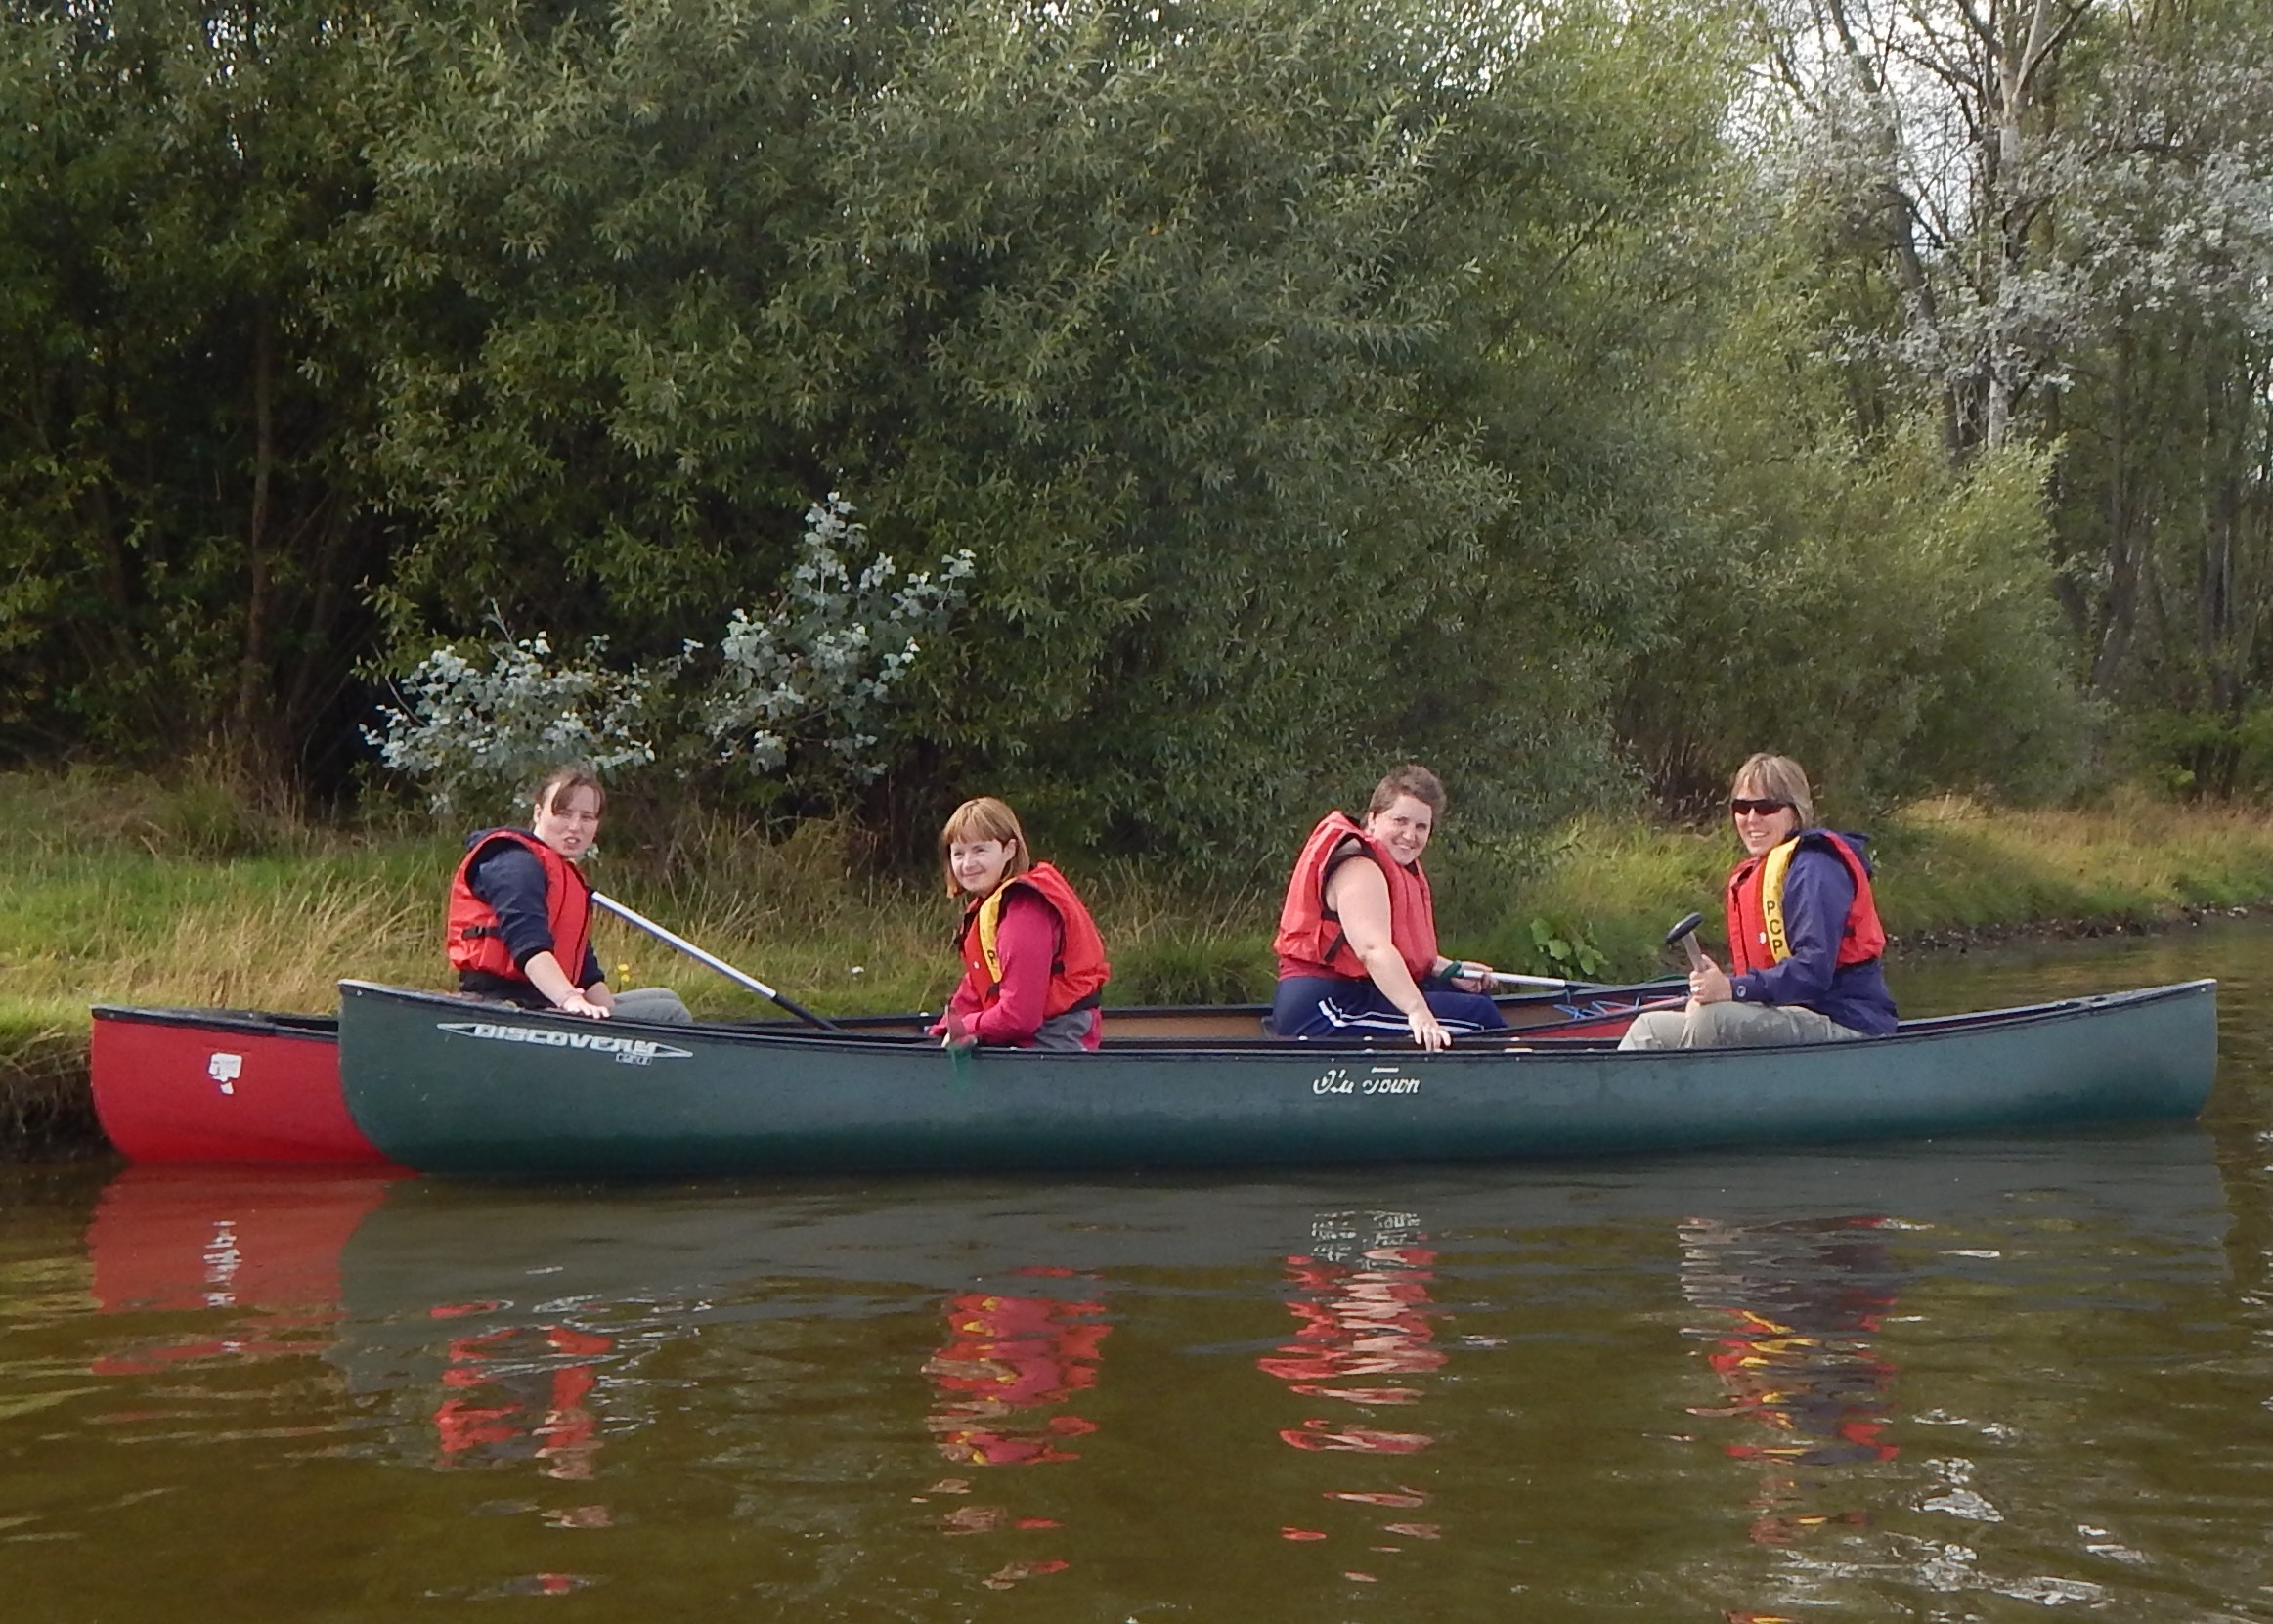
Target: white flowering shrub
[806, 686]
[481, 729]
[821, 667]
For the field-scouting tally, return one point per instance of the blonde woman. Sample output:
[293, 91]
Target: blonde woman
[1805, 941]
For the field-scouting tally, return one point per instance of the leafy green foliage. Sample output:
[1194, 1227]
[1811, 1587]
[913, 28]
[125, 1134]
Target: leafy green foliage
[179, 521]
[1564, 952]
[1220, 334]
[1853, 600]
[1310, 388]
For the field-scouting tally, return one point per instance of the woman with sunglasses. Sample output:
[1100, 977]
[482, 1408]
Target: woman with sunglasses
[1805, 941]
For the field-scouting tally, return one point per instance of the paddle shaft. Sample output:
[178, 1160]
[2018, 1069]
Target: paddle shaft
[673, 938]
[1508, 978]
[1481, 1039]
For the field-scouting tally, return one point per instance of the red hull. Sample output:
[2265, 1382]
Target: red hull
[223, 1085]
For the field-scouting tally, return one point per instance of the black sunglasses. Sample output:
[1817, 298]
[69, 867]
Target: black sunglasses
[1764, 808]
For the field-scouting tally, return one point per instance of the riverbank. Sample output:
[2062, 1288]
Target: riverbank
[122, 892]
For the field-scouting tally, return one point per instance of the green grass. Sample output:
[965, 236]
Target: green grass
[122, 891]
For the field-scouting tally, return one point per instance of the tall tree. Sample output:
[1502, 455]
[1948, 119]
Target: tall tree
[2165, 518]
[178, 401]
[2053, 218]
[1924, 124]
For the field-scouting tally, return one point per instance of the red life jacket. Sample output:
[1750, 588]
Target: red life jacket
[1080, 971]
[1757, 939]
[470, 932]
[1310, 941]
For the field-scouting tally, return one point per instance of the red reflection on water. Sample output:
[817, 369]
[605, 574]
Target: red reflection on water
[1369, 1321]
[1005, 1359]
[1361, 1311]
[258, 1245]
[1010, 1573]
[1797, 1307]
[1370, 1318]
[519, 1393]
[1318, 1433]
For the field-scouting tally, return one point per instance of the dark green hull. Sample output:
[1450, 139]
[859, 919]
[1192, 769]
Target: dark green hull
[446, 1086]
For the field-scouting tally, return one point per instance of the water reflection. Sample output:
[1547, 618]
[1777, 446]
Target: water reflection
[520, 1393]
[1362, 1313]
[1005, 1362]
[256, 1250]
[820, 1398]
[1795, 1307]
[1361, 1305]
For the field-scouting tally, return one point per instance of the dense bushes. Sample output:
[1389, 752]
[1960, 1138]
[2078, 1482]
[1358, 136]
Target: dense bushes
[1309, 386]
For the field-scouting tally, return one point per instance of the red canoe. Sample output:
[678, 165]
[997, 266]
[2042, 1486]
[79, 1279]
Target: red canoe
[223, 1085]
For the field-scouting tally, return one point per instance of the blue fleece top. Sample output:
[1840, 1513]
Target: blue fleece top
[1818, 892]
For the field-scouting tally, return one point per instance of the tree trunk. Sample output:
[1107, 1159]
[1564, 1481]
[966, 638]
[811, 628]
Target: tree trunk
[250, 721]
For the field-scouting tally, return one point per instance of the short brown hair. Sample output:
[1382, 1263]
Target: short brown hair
[1412, 780]
[1776, 778]
[984, 818]
[566, 779]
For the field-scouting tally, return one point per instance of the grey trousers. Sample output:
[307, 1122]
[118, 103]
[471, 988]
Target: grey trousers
[1069, 1031]
[658, 1004]
[1729, 1024]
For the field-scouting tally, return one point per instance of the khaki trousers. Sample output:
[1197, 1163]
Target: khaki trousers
[1729, 1024]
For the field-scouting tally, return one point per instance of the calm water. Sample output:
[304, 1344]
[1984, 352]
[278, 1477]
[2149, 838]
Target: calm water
[1933, 1381]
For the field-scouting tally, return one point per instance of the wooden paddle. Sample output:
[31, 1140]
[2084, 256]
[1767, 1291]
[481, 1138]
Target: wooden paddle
[671, 939]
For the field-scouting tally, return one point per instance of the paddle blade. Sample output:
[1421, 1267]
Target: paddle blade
[960, 1042]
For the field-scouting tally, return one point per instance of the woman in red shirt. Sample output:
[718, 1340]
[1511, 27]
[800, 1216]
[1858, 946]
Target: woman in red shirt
[1033, 964]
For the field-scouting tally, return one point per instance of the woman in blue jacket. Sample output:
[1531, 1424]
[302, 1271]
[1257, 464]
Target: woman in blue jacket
[1805, 941]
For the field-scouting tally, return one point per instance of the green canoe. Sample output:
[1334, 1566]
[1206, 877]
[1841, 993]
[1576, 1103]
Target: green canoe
[448, 1085]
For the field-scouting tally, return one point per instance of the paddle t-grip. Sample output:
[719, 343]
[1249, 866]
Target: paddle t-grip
[1685, 935]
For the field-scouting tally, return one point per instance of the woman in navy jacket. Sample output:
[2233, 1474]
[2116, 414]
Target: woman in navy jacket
[519, 922]
[1805, 941]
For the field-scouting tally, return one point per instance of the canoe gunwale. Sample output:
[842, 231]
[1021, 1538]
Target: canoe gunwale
[318, 1028]
[770, 1035]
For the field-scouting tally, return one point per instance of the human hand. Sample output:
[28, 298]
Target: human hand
[1709, 984]
[1470, 977]
[1427, 1031]
[576, 1003]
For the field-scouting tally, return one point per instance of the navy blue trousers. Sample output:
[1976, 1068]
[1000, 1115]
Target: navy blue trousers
[1327, 1006]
